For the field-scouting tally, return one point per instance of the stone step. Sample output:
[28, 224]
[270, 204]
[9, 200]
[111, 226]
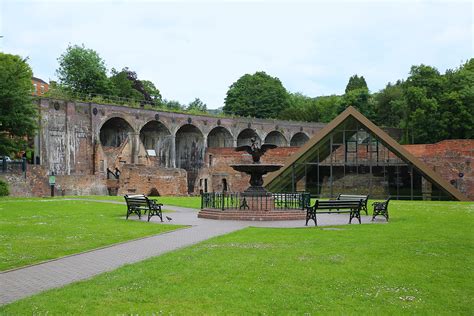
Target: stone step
[248, 215]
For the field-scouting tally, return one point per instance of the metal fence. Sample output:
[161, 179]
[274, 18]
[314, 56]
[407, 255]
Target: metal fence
[236, 200]
[13, 166]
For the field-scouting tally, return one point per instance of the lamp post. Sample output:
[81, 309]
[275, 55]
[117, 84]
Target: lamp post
[52, 182]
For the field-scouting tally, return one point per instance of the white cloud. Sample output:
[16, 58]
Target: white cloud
[199, 49]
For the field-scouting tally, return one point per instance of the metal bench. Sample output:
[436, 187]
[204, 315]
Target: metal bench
[352, 207]
[140, 202]
[351, 197]
[381, 208]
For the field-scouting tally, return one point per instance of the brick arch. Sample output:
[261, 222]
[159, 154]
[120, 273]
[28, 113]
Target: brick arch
[141, 126]
[276, 138]
[299, 139]
[154, 135]
[124, 117]
[219, 137]
[244, 136]
[190, 148]
[114, 131]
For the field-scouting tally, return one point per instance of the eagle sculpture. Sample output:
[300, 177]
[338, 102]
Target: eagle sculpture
[254, 150]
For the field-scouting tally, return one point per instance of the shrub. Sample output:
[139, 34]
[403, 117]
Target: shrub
[4, 188]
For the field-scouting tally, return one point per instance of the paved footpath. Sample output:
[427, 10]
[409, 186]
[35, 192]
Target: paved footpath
[23, 282]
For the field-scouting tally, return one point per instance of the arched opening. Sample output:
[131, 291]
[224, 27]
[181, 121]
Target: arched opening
[245, 136]
[299, 139]
[190, 152]
[219, 137]
[114, 132]
[276, 138]
[156, 138]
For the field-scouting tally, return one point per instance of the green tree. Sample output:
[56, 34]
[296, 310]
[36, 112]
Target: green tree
[456, 105]
[390, 105]
[152, 91]
[357, 95]
[258, 95]
[422, 124]
[173, 105]
[301, 108]
[328, 107]
[197, 106]
[356, 82]
[18, 114]
[422, 92]
[82, 70]
[123, 87]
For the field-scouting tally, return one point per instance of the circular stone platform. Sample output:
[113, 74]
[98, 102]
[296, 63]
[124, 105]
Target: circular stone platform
[252, 215]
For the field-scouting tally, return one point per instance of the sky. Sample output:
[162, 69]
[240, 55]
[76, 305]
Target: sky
[198, 49]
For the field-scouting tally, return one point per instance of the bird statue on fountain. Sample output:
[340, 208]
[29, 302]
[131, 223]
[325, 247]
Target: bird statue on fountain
[254, 150]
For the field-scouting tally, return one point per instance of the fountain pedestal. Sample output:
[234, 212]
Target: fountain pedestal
[255, 203]
[256, 172]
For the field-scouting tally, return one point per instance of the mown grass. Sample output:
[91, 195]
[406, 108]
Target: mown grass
[183, 201]
[419, 263]
[34, 230]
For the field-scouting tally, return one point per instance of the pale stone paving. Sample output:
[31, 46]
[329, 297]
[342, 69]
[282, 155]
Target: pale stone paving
[23, 282]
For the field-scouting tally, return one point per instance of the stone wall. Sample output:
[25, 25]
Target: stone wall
[217, 167]
[451, 159]
[137, 179]
[36, 183]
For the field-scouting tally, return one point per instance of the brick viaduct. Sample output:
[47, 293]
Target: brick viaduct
[87, 139]
[175, 153]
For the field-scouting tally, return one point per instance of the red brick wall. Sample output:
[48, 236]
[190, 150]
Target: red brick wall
[220, 168]
[449, 158]
[141, 179]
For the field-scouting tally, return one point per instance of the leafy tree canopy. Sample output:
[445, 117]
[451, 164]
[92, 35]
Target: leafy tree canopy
[82, 70]
[301, 108]
[173, 105]
[122, 86]
[18, 114]
[197, 106]
[356, 82]
[152, 91]
[258, 95]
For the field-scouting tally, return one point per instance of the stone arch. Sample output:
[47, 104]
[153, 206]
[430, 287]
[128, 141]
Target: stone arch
[154, 135]
[299, 139]
[276, 138]
[219, 137]
[190, 152]
[114, 132]
[245, 136]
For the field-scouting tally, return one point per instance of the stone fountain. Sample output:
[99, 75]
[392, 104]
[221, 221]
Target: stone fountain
[256, 170]
[255, 203]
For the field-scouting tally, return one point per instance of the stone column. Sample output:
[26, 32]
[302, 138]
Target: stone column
[173, 151]
[134, 139]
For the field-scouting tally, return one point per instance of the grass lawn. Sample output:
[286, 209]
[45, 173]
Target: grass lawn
[34, 230]
[421, 262]
[184, 201]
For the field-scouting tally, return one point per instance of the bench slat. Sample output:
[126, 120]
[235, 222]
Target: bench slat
[352, 207]
[140, 202]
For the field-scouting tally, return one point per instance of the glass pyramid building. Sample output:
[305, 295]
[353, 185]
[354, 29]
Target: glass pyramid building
[351, 155]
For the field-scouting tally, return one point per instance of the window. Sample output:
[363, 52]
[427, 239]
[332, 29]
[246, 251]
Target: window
[42, 89]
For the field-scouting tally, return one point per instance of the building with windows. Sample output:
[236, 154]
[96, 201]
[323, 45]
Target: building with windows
[40, 86]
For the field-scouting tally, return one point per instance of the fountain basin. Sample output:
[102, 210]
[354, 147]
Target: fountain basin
[256, 168]
[256, 172]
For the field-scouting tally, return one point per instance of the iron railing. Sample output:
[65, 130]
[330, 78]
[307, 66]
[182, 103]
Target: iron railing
[236, 200]
[13, 166]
